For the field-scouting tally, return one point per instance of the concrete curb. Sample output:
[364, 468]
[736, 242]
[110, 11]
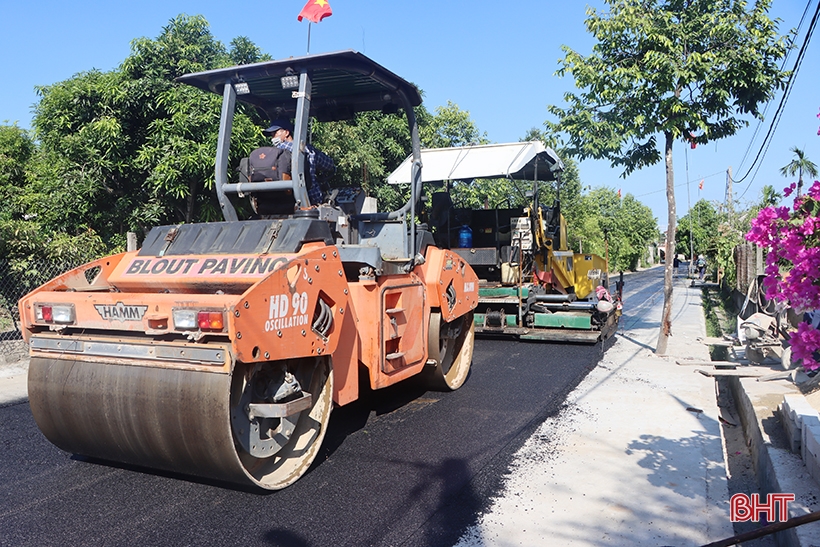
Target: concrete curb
[772, 440]
[13, 382]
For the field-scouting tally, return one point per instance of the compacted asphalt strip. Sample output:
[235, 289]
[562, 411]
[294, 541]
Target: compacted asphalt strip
[401, 466]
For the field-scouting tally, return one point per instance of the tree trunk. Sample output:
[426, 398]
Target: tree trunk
[666, 317]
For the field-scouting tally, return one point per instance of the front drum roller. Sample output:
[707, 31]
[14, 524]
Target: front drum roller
[450, 345]
[187, 421]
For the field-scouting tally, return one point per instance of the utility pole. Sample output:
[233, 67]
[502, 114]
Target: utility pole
[689, 203]
[729, 204]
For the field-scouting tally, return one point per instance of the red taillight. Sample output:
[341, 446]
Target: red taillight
[210, 320]
[61, 314]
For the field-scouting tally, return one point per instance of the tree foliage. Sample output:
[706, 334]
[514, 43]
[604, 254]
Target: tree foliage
[799, 165]
[626, 226]
[16, 151]
[366, 150]
[698, 227]
[672, 67]
[130, 148]
[681, 69]
[451, 126]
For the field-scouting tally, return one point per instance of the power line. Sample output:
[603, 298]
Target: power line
[768, 104]
[681, 184]
[787, 91]
[798, 63]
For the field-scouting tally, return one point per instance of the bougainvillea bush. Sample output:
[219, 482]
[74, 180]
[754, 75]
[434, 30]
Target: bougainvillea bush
[792, 237]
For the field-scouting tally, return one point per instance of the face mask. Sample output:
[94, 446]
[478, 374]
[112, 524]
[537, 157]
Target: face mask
[275, 140]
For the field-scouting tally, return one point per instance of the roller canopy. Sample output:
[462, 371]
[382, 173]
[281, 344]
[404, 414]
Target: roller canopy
[515, 161]
[343, 83]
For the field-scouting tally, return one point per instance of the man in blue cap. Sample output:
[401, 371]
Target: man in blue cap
[320, 165]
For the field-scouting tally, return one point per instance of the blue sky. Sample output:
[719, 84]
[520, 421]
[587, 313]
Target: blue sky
[496, 60]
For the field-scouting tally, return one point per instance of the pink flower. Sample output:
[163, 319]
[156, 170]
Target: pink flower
[805, 345]
[814, 191]
[792, 239]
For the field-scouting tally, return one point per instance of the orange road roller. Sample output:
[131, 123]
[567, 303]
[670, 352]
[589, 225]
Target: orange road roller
[220, 349]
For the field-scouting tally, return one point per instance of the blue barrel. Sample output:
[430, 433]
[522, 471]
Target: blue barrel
[465, 237]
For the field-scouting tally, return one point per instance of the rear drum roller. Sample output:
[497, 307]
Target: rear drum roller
[451, 346]
[276, 451]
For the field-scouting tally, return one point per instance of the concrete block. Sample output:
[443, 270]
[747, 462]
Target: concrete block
[799, 408]
[813, 467]
[806, 437]
[789, 401]
[793, 433]
[810, 449]
[807, 415]
[809, 420]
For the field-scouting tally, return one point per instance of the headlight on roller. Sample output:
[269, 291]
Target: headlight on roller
[185, 319]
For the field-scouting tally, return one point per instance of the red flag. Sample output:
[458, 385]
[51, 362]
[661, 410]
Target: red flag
[700, 186]
[315, 10]
[619, 193]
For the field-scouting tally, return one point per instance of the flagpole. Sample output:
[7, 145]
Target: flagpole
[308, 45]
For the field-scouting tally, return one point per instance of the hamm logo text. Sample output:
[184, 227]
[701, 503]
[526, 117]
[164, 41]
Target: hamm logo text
[120, 312]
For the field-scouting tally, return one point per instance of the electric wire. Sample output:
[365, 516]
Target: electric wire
[783, 99]
[680, 184]
[768, 104]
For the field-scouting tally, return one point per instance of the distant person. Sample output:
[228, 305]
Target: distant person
[701, 264]
[320, 165]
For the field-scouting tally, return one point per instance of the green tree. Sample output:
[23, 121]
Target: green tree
[451, 126]
[673, 68]
[130, 148]
[799, 165]
[627, 225]
[16, 152]
[372, 145]
[701, 223]
[366, 150]
[769, 197]
[245, 52]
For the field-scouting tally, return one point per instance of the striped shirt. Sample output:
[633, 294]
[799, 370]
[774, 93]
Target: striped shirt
[320, 167]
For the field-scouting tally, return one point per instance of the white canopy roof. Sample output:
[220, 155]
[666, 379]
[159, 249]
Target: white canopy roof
[517, 161]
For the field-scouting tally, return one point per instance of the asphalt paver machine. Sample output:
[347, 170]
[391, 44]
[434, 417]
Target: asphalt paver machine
[533, 286]
[220, 349]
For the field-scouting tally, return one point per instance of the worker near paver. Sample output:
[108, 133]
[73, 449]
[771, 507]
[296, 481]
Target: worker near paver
[320, 165]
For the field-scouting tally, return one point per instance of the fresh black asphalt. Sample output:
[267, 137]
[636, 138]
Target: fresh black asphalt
[401, 466]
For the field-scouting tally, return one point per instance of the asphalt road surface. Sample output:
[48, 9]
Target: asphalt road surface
[401, 466]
